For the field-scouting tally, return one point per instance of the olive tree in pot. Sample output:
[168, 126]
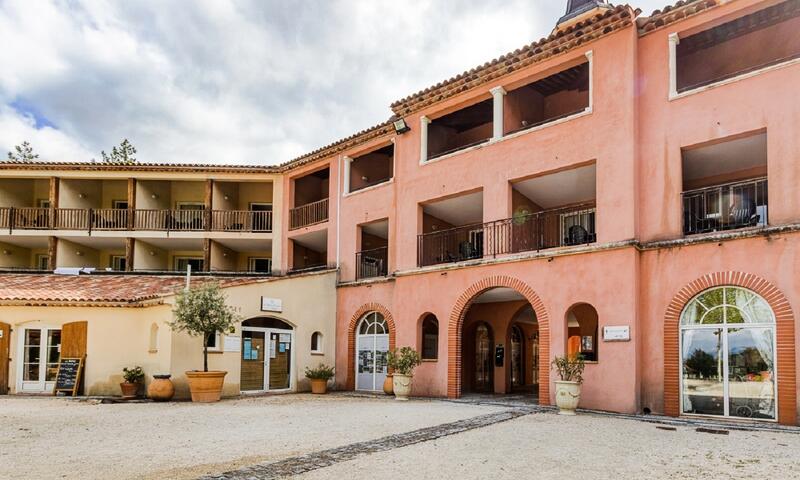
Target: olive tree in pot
[568, 389]
[403, 361]
[319, 378]
[202, 312]
[134, 380]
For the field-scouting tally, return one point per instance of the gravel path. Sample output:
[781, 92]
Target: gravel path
[47, 438]
[546, 446]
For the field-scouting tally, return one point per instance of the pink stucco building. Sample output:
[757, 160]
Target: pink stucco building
[603, 191]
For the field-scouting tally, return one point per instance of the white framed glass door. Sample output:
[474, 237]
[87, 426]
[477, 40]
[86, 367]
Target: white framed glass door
[40, 354]
[372, 349]
[267, 364]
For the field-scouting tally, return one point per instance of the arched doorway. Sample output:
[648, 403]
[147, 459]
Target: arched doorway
[498, 336]
[728, 352]
[267, 365]
[372, 349]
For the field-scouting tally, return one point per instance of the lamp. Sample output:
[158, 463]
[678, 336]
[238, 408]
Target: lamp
[364, 178]
[152, 253]
[79, 253]
[154, 196]
[6, 252]
[81, 195]
[400, 126]
[225, 197]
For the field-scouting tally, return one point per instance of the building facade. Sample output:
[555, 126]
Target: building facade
[622, 189]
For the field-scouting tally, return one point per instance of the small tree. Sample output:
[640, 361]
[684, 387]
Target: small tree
[23, 153]
[404, 360]
[123, 155]
[569, 367]
[202, 311]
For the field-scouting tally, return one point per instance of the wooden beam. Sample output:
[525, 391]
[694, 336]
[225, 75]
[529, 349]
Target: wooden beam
[208, 202]
[52, 197]
[52, 248]
[131, 204]
[129, 248]
[207, 254]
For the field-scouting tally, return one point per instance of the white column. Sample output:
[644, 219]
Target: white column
[673, 64]
[589, 56]
[346, 187]
[498, 95]
[423, 138]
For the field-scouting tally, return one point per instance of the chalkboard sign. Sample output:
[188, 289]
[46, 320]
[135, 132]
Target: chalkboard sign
[68, 378]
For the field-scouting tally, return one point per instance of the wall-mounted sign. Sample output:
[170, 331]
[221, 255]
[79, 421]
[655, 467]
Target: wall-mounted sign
[271, 304]
[620, 333]
[233, 343]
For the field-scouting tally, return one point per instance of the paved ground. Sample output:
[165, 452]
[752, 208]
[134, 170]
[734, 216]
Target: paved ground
[340, 436]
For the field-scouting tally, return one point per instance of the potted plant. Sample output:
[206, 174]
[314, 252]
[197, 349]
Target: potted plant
[319, 378]
[134, 377]
[403, 361]
[568, 389]
[202, 312]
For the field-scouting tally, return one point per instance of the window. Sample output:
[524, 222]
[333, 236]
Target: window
[260, 265]
[727, 346]
[316, 342]
[261, 207]
[577, 228]
[119, 204]
[214, 342]
[153, 344]
[430, 338]
[118, 263]
[42, 262]
[582, 329]
[197, 263]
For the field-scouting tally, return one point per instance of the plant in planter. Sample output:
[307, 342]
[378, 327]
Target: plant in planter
[319, 378]
[134, 379]
[568, 389]
[202, 312]
[403, 361]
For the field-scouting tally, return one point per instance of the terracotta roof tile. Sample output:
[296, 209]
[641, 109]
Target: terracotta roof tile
[557, 43]
[138, 167]
[673, 13]
[99, 289]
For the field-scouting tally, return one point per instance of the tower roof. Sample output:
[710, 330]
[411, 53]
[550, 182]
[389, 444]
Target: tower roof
[578, 7]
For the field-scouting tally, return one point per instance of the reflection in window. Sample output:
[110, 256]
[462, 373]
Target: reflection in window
[582, 329]
[728, 354]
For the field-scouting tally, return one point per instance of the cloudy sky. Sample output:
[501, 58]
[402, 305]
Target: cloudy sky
[246, 81]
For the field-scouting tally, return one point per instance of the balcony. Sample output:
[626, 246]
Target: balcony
[568, 226]
[372, 263]
[117, 219]
[725, 207]
[308, 214]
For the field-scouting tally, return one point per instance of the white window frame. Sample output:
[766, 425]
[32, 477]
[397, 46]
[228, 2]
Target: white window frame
[114, 259]
[217, 343]
[175, 261]
[42, 257]
[252, 260]
[319, 350]
[564, 216]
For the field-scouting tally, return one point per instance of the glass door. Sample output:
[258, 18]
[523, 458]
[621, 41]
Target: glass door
[484, 367]
[266, 359]
[253, 361]
[41, 352]
[280, 360]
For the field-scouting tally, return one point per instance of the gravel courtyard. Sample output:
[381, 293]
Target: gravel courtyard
[58, 438]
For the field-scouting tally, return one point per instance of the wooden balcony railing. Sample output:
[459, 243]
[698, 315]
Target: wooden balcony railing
[12, 218]
[308, 214]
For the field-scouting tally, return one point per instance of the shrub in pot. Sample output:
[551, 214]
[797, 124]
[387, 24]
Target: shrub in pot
[134, 379]
[202, 312]
[568, 389]
[403, 361]
[319, 377]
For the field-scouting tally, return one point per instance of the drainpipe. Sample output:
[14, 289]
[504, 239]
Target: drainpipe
[338, 207]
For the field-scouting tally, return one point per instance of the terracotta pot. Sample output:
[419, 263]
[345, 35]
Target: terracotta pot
[206, 387]
[319, 386]
[568, 395]
[388, 385]
[161, 388]
[129, 390]
[402, 386]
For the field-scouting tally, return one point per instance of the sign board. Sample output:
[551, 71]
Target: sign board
[620, 333]
[271, 304]
[233, 343]
[68, 377]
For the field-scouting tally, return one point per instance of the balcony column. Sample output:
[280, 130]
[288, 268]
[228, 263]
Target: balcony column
[207, 204]
[674, 40]
[498, 98]
[423, 138]
[130, 243]
[53, 199]
[346, 187]
[52, 248]
[131, 202]
[206, 254]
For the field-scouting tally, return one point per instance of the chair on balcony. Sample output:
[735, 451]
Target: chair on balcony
[467, 250]
[743, 217]
[578, 235]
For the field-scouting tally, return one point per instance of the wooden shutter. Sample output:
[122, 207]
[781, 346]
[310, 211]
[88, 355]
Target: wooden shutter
[73, 339]
[5, 341]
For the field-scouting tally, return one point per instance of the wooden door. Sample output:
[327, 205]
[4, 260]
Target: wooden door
[5, 341]
[484, 361]
[73, 343]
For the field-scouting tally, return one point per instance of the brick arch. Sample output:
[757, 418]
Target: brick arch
[351, 337]
[456, 323]
[784, 332]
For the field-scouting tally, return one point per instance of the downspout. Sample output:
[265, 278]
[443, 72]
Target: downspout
[338, 207]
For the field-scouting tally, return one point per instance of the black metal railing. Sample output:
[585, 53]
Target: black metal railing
[725, 207]
[372, 263]
[569, 226]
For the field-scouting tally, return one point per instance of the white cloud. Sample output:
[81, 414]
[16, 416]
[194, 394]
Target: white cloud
[249, 81]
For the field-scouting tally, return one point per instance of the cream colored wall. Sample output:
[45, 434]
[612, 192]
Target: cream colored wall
[17, 192]
[41, 190]
[145, 189]
[306, 317]
[186, 192]
[142, 260]
[222, 258]
[243, 260]
[116, 338]
[220, 191]
[66, 255]
[70, 191]
[113, 190]
[17, 257]
[33, 253]
[254, 192]
[105, 257]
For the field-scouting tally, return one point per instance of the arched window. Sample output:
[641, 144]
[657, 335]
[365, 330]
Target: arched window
[316, 342]
[430, 337]
[153, 344]
[582, 332]
[372, 350]
[727, 346]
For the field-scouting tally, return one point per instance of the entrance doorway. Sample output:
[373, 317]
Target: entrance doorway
[484, 370]
[267, 365]
[40, 351]
[517, 358]
[372, 350]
